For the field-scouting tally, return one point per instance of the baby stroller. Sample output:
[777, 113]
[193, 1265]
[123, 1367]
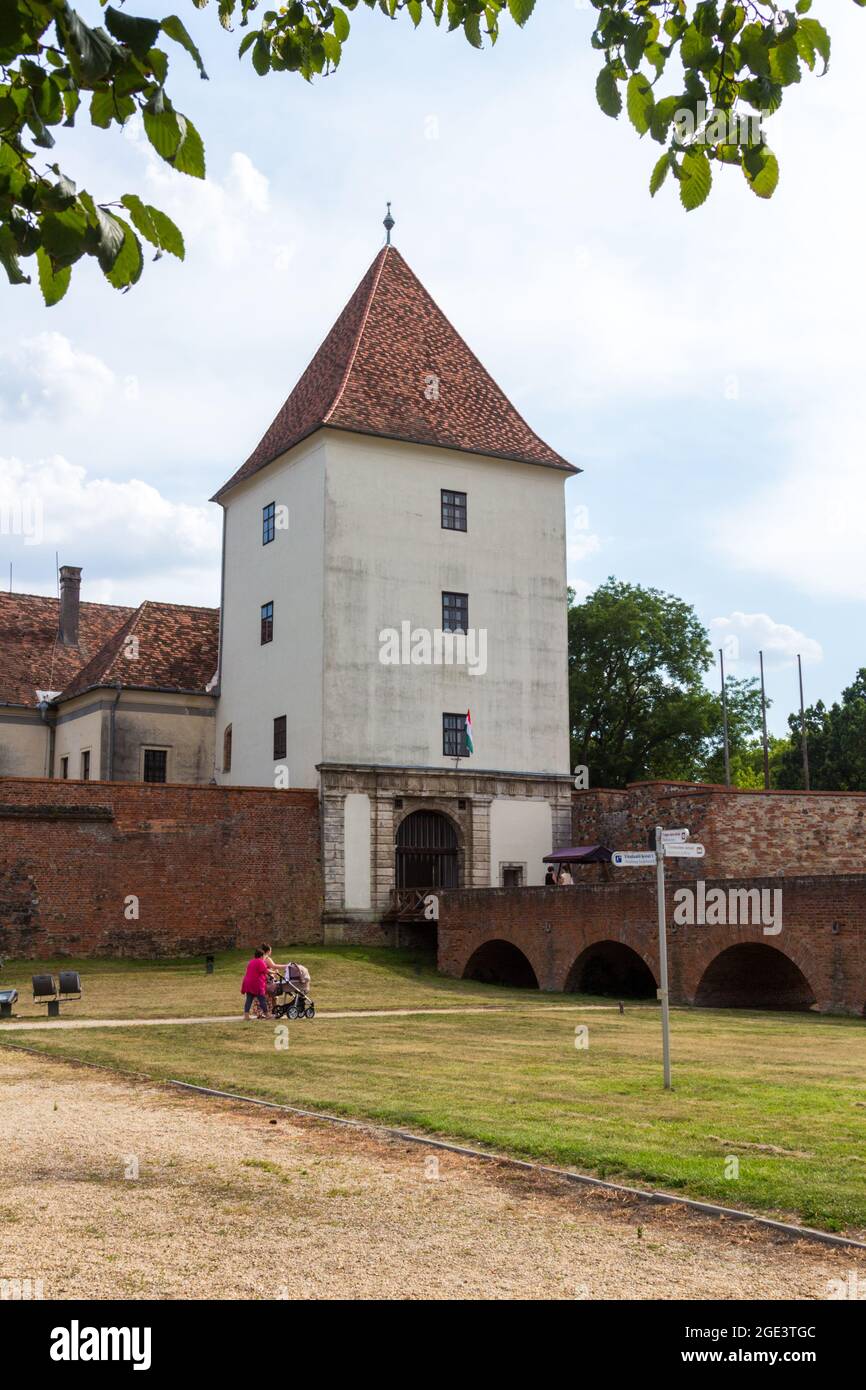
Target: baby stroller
[290, 998]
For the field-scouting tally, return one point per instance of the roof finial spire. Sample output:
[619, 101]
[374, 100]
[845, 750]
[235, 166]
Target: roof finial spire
[388, 223]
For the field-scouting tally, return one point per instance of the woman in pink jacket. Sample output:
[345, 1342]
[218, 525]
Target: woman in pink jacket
[255, 984]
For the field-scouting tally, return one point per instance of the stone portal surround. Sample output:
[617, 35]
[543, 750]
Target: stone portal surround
[433, 789]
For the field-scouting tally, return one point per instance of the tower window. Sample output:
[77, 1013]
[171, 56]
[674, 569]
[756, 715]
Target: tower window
[454, 735]
[455, 612]
[280, 736]
[269, 522]
[267, 623]
[453, 510]
[227, 748]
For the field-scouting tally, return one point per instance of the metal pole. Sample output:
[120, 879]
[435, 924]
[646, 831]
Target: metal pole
[725, 718]
[805, 741]
[663, 959]
[764, 724]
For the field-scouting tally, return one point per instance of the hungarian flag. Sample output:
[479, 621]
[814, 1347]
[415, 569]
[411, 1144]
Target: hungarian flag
[470, 746]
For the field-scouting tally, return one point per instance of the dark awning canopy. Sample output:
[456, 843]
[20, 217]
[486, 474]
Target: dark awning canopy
[580, 854]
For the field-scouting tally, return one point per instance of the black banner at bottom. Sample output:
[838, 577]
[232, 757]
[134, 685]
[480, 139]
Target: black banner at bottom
[63, 1339]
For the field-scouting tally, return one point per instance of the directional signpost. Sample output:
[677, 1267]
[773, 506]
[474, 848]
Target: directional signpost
[670, 844]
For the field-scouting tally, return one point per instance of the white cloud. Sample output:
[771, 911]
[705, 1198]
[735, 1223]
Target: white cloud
[45, 376]
[743, 635]
[132, 542]
[248, 183]
[807, 526]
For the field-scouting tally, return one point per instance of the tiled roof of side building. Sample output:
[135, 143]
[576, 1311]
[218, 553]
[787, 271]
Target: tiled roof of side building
[31, 655]
[176, 649]
[161, 646]
[393, 366]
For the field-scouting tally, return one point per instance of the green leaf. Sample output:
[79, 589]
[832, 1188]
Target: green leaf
[639, 102]
[127, 267]
[9, 258]
[695, 179]
[472, 29]
[761, 168]
[262, 55]
[659, 174]
[695, 48]
[137, 34]
[110, 238]
[784, 63]
[607, 92]
[64, 235]
[106, 106]
[90, 51]
[341, 24]
[817, 37]
[520, 10]
[163, 132]
[53, 284]
[189, 158]
[333, 47]
[176, 29]
[154, 225]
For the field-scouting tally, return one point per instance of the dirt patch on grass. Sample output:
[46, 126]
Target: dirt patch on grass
[151, 1194]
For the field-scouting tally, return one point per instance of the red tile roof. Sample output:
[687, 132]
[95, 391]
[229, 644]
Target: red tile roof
[373, 374]
[177, 648]
[162, 646]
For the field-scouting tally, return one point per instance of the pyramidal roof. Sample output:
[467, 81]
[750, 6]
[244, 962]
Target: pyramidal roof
[393, 366]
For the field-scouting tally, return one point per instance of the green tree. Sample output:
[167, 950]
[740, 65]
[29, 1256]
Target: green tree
[744, 717]
[638, 704]
[836, 743]
[747, 762]
[54, 67]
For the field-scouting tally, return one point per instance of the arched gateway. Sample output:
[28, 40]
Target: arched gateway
[427, 851]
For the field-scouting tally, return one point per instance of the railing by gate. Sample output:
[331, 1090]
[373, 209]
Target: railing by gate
[408, 905]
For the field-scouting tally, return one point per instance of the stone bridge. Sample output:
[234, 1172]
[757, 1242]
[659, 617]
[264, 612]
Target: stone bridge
[602, 938]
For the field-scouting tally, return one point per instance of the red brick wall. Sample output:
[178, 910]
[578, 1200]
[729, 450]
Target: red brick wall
[552, 926]
[212, 868]
[744, 832]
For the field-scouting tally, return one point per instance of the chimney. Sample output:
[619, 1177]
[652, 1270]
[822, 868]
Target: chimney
[70, 585]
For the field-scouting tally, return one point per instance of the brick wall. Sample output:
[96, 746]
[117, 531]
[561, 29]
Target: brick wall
[744, 832]
[211, 867]
[823, 932]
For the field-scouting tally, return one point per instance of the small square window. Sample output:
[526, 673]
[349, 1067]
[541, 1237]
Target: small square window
[454, 736]
[455, 612]
[269, 522]
[267, 623]
[155, 764]
[453, 510]
[280, 736]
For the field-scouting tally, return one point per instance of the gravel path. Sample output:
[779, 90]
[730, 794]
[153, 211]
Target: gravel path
[40, 1025]
[230, 1202]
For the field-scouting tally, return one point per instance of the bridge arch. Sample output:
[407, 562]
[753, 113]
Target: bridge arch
[499, 962]
[611, 968]
[754, 975]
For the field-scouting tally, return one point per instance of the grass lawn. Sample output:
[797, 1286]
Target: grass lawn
[345, 977]
[781, 1093]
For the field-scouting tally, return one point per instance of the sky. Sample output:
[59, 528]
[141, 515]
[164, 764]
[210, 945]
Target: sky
[703, 369]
